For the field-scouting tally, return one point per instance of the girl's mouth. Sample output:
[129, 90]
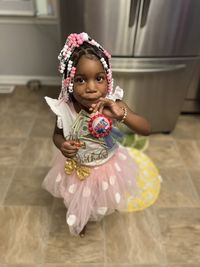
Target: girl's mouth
[92, 99]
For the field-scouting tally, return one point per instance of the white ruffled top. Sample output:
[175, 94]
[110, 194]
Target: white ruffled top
[66, 116]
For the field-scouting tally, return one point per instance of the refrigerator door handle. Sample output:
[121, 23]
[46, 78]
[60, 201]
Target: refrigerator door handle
[145, 10]
[132, 12]
[149, 70]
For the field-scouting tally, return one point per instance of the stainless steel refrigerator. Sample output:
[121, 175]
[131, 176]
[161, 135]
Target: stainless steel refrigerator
[155, 46]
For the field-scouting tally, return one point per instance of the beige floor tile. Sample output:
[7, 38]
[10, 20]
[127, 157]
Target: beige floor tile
[63, 265]
[177, 189]
[182, 265]
[180, 229]
[24, 107]
[20, 265]
[46, 153]
[10, 150]
[158, 139]
[133, 265]
[43, 127]
[30, 95]
[23, 234]
[133, 238]
[198, 144]
[75, 265]
[63, 248]
[6, 175]
[187, 127]
[195, 176]
[5, 101]
[15, 126]
[164, 153]
[190, 153]
[25, 188]
[37, 152]
[45, 111]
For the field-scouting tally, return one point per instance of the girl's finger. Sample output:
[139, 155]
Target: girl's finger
[69, 144]
[67, 155]
[101, 107]
[105, 103]
[70, 150]
[96, 107]
[71, 154]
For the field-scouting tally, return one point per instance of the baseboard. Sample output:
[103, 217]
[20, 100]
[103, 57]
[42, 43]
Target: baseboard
[23, 80]
[6, 89]
[191, 106]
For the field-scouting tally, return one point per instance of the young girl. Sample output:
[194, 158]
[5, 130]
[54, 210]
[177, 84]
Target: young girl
[94, 174]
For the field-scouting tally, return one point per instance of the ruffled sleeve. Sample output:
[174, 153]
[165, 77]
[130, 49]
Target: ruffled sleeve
[117, 95]
[53, 104]
[63, 112]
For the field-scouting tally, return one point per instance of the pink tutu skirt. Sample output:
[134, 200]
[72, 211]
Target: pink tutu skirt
[105, 190]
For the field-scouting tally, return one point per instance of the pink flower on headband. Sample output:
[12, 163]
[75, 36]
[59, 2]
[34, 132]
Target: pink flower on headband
[75, 40]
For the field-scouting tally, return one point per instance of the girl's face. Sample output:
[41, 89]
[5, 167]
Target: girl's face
[90, 82]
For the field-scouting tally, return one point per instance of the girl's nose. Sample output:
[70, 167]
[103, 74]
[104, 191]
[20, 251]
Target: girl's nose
[90, 87]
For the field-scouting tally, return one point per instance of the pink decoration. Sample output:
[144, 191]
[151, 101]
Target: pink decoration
[99, 125]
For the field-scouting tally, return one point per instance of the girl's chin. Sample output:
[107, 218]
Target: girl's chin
[86, 107]
[90, 103]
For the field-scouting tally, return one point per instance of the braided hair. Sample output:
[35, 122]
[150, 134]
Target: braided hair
[76, 46]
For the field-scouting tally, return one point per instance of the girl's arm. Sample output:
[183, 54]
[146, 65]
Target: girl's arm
[67, 147]
[58, 137]
[135, 122]
[120, 111]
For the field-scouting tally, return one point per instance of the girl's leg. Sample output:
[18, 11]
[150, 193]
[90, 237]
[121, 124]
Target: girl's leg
[82, 233]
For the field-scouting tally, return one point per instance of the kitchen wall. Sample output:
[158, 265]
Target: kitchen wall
[29, 48]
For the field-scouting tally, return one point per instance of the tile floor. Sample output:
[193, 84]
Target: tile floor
[32, 223]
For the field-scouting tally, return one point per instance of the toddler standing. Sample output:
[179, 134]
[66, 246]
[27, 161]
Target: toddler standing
[93, 173]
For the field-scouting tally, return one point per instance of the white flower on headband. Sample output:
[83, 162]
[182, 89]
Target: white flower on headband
[85, 36]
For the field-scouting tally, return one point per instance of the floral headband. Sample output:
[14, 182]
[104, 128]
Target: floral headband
[66, 67]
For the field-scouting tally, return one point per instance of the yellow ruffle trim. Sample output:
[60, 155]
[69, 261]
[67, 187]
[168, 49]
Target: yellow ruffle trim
[148, 182]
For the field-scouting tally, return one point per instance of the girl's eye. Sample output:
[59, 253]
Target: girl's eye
[79, 80]
[100, 78]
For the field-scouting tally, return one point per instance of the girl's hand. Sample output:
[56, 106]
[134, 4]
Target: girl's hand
[109, 108]
[69, 148]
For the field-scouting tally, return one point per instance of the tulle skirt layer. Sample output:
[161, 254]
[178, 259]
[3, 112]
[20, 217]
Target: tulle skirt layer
[129, 181]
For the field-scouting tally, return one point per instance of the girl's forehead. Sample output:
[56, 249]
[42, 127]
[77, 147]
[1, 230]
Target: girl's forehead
[86, 63]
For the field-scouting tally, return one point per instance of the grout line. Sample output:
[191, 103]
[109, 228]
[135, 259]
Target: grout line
[9, 184]
[176, 146]
[193, 187]
[163, 250]
[48, 234]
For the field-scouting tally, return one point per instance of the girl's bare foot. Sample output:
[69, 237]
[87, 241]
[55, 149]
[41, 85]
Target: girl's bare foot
[82, 233]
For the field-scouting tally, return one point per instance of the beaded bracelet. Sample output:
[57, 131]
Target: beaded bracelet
[125, 114]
